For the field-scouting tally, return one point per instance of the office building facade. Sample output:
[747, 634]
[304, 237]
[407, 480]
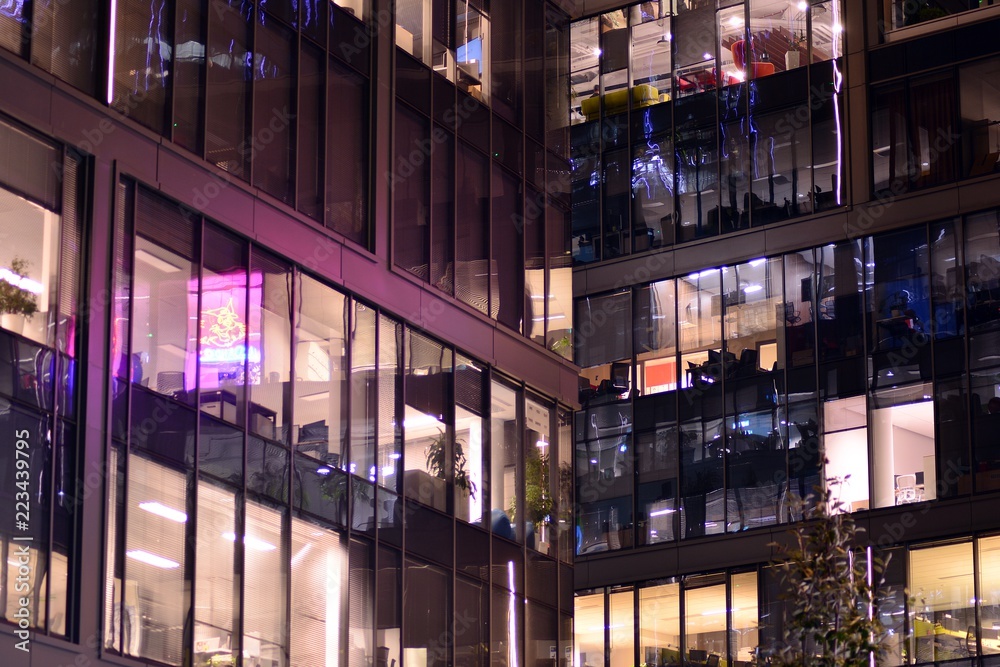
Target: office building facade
[785, 233]
[286, 350]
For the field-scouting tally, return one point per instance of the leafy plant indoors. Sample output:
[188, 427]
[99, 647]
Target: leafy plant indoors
[830, 618]
[436, 454]
[16, 300]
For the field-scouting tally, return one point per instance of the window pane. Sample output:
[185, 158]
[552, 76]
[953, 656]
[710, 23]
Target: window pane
[753, 293]
[585, 162]
[505, 452]
[346, 156]
[443, 209]
[226, 359]
[705, 622]
[411, 194]
[427, 609]
[658, 455]
[470, 405]
[588, 623]
[982, 252]
[743, 617]
[361, 589]
[472, 51]
[986, 428]
[535, 319]
[989, 595]
[980, 136]
[890, 158]
[165, 302]
[270, 343]
[653, 188]
[227, 126]
[559, 299]
[321, 380]
[903, 442]
[154, 595]
[364, 393]
[508, 250]
[412, 17]
[390, 612]
[428, 423]
[189, 75]
[390, 389]
[780, 174]
[943, 594]
[472, 274]
[702, 470]
[319, 568]
[141, 61]
[264, 592]
[845, 444]
[538, 475]
[62, 28]
[622, 624]
[273, 104]
[216, 603]
[659, 625]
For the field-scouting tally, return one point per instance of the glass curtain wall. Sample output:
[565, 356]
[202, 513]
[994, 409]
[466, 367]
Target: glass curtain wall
[259, 415]
[738, 374]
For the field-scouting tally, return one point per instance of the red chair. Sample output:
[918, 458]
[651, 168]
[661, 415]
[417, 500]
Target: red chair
[756, 70]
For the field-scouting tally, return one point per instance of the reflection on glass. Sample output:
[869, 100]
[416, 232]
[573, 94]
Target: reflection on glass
[264, 588]
[428, 455]
[505, 454]
[270, 333]
[390, 380]
[538, 465]
[469, 440]
[743, 617]
[320, 373]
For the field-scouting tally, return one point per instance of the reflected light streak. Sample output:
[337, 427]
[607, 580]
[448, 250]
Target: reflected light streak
[511, 618]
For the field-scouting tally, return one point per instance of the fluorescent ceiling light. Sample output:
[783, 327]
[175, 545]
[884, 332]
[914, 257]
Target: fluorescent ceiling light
[750, 289]
[153, 559]
[661, 512]
[164, 511]
[251, 541]
[155, 262]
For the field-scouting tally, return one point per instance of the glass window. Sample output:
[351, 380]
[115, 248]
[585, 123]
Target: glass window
[982, 253]
[505, 455]
[319, 569]
[411, 191]
[227, 126]
[507, 265]
[226, 360]
[705, 622]
[980, 111]
[264, 590]
[470, 459]
[694, 41]
[731, 29]
[778, 34]
[347, 161]
[942, 608]
[506, 77]
[360, 605]
[472, 274]
[655, 337]
[535, 320]
[653, 189]
[827, 103]
[651, 60]
[269, 350]
[835, 292]
[472, 32]
[743, 617]
[583, 65]
[390, 613]
[443, 210]
[164, 301]
[390, 381]
[559, 298]
[603, 336]
[152, 591]
[660, 625]
[320, 373]
[703, 497]
[697, 182]
[753, 295]
[540, 633]
[472, 613]
[141, 61]
[427, 609]
[564, 503]
[273, 104]
[585, 160]
[428, 426]
[890, 160]
[798, 310]
[364, 393]
[989, 595]
[900, 306]
[699, 321]
[903, 463]
[985, 428]
[588, 625]
[356, 8]
[621, 622]
[658, 456]
[845, 444]
[412, 28]
[538, 475]
[216, 604]
[310, 128]
[780, 179]
[932, 111]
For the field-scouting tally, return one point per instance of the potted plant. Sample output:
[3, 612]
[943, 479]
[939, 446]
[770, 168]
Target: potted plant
[16, 303]
[436, 454]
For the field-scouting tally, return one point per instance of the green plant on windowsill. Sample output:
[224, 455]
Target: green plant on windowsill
[437, 458]
[536, 490]
[15, 300]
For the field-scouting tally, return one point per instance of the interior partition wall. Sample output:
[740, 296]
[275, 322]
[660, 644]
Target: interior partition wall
[301, 478]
